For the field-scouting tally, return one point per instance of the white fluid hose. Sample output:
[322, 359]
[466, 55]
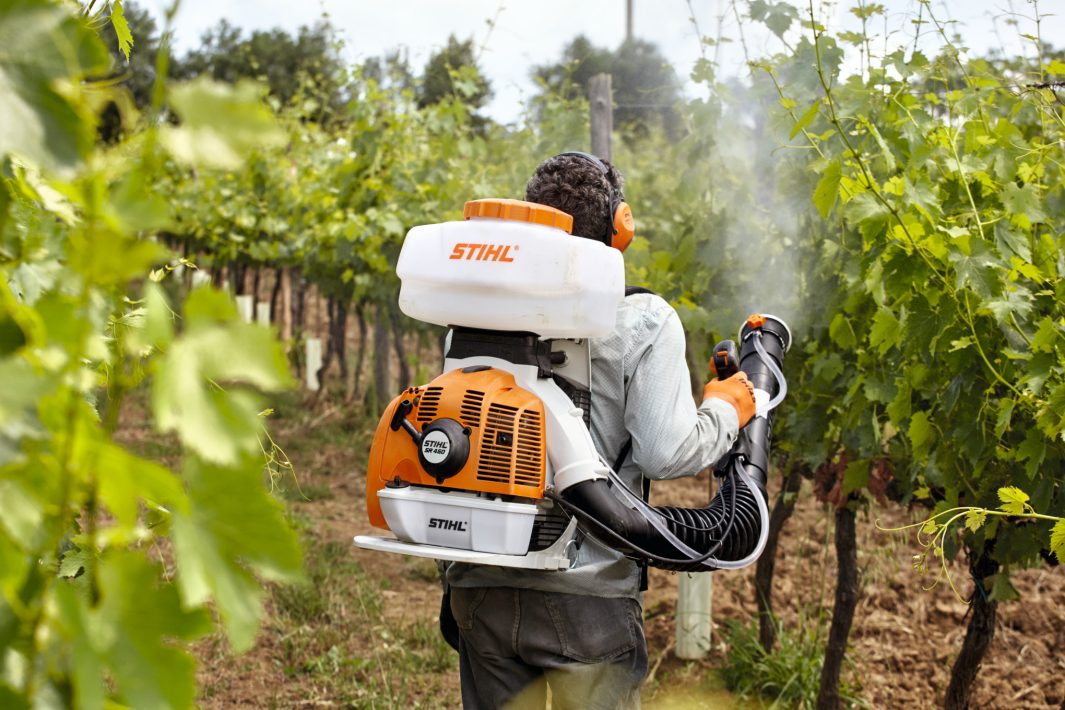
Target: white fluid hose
[657, 520]
[763, 535]
[782, 384]
[695, 539]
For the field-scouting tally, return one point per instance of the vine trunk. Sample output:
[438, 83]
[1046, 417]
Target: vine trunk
[979, 634]
[843, 611]
[763, 576]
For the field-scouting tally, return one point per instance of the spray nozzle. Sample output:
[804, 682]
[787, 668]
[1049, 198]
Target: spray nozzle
[764, 323]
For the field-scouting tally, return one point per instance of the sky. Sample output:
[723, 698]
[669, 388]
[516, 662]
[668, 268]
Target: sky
[514, 36]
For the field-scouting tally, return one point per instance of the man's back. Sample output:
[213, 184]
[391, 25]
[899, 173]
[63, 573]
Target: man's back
[640, 390]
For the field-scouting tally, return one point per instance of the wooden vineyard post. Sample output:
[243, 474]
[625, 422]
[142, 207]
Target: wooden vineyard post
[601, 106]
[200, 278]
[245, 304]
[313, 361]
[286, 306]
[694, 592]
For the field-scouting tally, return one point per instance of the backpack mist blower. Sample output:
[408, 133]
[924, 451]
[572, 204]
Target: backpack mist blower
[492, 462]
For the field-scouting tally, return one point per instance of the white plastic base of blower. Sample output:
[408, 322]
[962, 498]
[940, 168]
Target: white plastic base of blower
[560, 555]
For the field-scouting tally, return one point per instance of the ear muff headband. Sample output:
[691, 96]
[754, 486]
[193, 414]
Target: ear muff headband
[622, 226]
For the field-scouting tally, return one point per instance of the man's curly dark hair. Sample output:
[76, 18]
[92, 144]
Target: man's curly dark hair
[577, 187]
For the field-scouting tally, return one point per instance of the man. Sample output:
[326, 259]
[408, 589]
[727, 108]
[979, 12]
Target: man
[580, 631]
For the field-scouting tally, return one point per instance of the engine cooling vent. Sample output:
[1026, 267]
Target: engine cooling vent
[429, 404]
[471, 408]
[511, 449]
[529, 461]
[548, 525]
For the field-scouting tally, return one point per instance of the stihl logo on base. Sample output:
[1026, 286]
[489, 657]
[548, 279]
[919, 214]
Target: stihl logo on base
[445, 524]
[482, 252]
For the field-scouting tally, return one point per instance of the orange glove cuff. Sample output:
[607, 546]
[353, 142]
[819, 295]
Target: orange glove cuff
[737, 391]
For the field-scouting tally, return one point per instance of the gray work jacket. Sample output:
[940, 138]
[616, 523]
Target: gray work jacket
[640, 389]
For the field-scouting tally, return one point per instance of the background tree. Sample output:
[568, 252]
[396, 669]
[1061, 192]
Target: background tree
[453, 71]
[390, 71]
[647, 91]
[307, 65]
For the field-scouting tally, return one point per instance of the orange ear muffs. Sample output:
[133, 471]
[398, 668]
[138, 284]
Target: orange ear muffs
[624, 227]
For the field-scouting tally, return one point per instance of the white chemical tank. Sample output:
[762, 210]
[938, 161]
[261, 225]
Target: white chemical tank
[511, 266]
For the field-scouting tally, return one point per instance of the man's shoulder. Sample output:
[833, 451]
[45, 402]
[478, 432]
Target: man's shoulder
[642, 318]
[645, 304]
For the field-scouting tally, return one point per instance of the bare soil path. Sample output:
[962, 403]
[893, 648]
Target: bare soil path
[362, 632]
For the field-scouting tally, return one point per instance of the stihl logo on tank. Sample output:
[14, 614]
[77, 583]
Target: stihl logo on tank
[445, 524]
[482, 252]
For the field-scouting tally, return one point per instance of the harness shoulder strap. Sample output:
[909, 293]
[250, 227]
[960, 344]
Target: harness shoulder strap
[626, 449]
[633, 290]
[627, 446]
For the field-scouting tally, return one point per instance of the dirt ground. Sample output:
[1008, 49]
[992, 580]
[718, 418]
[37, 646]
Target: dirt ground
[362, 632]
[904, 639]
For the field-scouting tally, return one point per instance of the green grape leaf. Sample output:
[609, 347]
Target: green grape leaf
[125, 478]
[886, 331]
[44, 48]
[22, 387]
[1057, 540]
[978, 270]
[974, 519]
[1024, 200]
[159, 319]
[72, 564]
[1002, 590]
[21, 514]
[887, 154]
[232, 526]
[777, 16]
[841, 332]
[12, 337]
[900, 407]
[806, 119]
[1005, 415]
[11, 700]
[203, 387]
[77, 624]
[921, 434]
[865, 207]
[1046, 336]
[220, 124]
[122, 33]
[827, 189]
[137, 620]
[207, 306]
[855, 476]
[1032, 450]
[1014, 500]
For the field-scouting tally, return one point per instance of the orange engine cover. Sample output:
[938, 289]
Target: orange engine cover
[507, 444]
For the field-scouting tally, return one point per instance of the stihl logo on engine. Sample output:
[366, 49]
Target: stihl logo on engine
[445, 524]
[482, 252]
[435, 446]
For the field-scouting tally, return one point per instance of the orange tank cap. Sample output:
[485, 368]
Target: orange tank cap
[756, 320]
[518, 211]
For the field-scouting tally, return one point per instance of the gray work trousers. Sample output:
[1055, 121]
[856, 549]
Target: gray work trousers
[515, 643]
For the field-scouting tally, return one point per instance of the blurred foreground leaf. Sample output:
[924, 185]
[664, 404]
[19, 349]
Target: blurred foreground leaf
[220, 124]
[44, 53]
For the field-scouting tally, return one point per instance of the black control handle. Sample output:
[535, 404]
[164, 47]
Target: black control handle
[725, 361]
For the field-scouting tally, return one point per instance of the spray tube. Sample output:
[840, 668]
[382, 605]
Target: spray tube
[731, 532]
